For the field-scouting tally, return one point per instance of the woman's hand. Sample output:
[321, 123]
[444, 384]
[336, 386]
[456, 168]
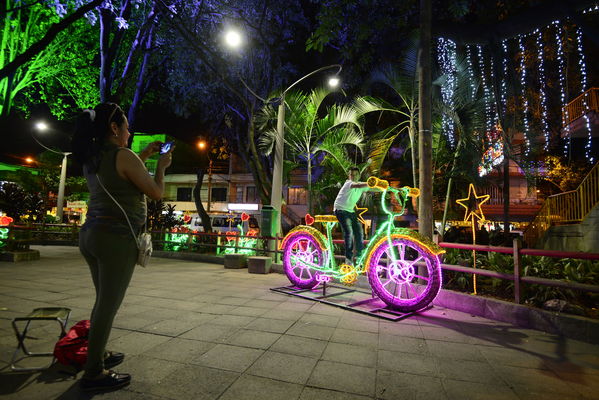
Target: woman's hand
[165, 160]
[150, 150]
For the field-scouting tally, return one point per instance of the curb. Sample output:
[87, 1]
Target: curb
[566, 325]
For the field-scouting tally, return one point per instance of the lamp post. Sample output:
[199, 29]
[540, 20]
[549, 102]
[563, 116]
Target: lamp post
[41, 126]
[233, 39]
[276, 193]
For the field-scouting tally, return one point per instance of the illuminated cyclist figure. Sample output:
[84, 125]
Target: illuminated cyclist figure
[402, 266]
[343, 208]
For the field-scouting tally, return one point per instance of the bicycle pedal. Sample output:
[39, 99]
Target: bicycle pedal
[350, 276]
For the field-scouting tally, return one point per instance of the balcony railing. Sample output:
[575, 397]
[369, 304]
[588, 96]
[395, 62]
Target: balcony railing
[565, 208]
[583, 104]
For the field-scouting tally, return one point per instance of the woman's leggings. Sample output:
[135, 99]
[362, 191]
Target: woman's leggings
[111, 255]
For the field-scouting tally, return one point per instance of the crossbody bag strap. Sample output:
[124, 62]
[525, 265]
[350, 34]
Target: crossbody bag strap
[124, 213]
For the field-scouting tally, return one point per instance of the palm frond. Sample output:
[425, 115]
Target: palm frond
[378, 151]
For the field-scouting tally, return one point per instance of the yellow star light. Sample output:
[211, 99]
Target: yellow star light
[473, 204]
[360, 211]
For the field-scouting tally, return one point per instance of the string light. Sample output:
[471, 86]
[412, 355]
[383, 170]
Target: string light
[503, 79]
[591, 9]
[524, 96]
[446, 54]
[583, 84]
[562, 83]
[481, 67]
[542, 87]
[470, 69]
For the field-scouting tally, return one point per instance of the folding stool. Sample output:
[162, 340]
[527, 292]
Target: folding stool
[58, 314]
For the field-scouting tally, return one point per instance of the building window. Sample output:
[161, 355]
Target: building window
[296, 196]
[250, 195]
[219, 194]
[239, 195]
[184, 194]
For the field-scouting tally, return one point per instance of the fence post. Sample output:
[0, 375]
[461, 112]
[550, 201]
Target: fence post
[517, 245]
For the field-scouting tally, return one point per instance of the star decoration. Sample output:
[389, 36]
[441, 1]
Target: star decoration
[361, 211]
[230, 217]
[473, 204]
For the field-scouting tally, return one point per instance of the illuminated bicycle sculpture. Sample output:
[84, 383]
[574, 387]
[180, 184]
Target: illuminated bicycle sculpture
[402, 266]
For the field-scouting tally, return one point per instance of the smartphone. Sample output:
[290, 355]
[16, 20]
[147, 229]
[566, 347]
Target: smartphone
[165, 147]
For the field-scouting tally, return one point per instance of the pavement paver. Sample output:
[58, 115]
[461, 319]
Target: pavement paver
[197, 331]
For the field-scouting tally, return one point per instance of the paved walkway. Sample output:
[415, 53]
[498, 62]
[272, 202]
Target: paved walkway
[198, 331]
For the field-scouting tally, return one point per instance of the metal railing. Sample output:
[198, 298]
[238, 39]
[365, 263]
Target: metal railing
[516, 276]
[586, 102]
[565, 208]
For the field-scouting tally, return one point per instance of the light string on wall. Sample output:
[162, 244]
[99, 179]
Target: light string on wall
[446, 54]
[583, 85]
[486, 93]
[542, 87]
[562, 82]
[524, 96]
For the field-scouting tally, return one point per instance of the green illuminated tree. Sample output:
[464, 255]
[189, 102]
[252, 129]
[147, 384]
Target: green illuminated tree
[32, 39]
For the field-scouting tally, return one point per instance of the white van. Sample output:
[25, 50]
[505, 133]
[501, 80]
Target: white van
[220, 223]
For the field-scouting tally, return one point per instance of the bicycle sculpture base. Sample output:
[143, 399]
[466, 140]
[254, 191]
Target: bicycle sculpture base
[402, 266]
[344, 297]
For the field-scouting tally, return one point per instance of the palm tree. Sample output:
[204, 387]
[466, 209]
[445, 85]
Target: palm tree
[311, 131]
[402, 80]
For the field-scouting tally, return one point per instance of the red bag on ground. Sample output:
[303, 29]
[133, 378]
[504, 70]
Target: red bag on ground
[71, 349]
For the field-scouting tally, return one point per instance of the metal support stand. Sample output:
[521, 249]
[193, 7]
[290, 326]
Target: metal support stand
[344, 297]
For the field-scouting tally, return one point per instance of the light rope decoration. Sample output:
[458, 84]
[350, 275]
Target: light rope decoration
[583, 85]
[542, 87]
[446, 54]
[562, 83]
[524, 96]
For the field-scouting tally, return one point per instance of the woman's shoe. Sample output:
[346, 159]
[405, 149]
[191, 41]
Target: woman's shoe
[111, 381]
[113, 359]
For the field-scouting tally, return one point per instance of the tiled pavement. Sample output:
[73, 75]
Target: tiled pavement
[198, 331]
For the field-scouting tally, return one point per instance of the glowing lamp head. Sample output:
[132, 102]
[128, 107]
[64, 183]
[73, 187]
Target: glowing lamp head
[233, 39]
[334, 82]
[28, 160]
[202, 145]
[41, 126]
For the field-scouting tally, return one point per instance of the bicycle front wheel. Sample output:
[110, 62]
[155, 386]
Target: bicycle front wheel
[300, 253]
[404, 274]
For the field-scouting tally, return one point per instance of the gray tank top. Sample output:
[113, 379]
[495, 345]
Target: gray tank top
[126, 193]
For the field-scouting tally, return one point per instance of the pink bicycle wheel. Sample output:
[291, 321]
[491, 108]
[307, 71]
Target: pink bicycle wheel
[405, 275]
[300, 252]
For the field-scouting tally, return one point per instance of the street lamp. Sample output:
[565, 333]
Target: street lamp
[233, 39]
[42, 126]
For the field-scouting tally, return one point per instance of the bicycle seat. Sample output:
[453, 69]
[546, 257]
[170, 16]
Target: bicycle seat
[325, 218]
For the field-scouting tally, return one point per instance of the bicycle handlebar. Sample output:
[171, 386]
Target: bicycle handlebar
[374, 182]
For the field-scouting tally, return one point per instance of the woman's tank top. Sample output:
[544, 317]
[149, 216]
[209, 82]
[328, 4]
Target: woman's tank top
[126, 193]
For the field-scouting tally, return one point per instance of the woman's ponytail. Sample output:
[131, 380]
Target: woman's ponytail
[91, 129]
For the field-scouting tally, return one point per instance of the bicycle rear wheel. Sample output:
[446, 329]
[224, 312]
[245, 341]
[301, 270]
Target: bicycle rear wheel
[300, 252]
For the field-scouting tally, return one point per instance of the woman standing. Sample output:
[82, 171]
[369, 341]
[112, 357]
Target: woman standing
[105, 240]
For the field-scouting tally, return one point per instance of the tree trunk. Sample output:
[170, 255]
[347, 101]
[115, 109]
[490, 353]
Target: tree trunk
[425, 138]
[260, 171]
[105, 83]
[506, 197]
[141, 84]
[309, 184]
[449, 185]
[206, 223]
[412, 133]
